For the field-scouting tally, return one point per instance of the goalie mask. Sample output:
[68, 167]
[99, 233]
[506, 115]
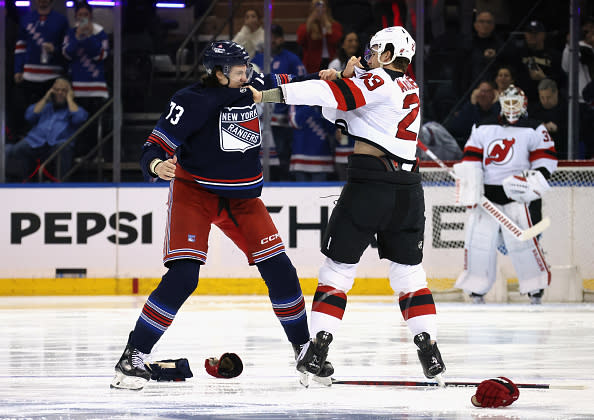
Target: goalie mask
[404, 44]
[513, 103]
[226, 54]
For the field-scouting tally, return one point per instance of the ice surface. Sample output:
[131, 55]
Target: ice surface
[57, 356]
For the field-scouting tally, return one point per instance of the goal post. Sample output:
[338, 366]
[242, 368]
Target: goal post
[567, 243]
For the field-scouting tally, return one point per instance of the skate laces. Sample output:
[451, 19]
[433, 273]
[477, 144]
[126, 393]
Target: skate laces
[137, 359]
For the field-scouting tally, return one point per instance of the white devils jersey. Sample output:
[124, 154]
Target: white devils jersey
[372, 106]
[508, 150]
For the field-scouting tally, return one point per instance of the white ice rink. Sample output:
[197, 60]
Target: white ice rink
[57, 356]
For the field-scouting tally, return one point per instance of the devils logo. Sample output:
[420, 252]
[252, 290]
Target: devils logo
[500, 151]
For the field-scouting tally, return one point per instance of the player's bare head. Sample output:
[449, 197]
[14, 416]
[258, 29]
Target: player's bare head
[392, 47]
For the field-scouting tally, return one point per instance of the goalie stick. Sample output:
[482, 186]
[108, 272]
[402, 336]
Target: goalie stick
[490, 208]
[448, 384]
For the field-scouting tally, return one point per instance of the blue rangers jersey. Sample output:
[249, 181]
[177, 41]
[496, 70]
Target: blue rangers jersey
[215, 133]
[35, 29]
[311, 151]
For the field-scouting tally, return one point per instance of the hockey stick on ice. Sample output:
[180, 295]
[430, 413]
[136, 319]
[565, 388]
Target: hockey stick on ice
[491, 209]
[448, 384]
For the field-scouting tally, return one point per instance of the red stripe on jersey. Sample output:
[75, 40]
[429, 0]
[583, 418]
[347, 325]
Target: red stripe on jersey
[331, 310]
[338, 96]
[157, 140]
[543, 154]
[359, 98]
[40, 71]
[473, 149]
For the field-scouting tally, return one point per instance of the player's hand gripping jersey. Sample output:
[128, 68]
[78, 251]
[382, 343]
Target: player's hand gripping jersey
[215, 134]
[379, 107]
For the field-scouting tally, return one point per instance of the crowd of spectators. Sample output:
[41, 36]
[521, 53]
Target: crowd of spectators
[473, 51]
[58, 77]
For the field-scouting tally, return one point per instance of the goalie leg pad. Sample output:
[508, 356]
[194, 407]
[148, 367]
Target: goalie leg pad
[228, 366]
[170, 370]
[480, 254]
[526, 256]
[496, 392]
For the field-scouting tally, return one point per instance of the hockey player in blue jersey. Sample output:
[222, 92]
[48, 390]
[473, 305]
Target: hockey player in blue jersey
[207, 145]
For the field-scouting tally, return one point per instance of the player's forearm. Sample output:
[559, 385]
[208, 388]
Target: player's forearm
[311, 92]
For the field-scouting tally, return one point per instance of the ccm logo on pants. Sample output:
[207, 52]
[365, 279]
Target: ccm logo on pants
[269, 239]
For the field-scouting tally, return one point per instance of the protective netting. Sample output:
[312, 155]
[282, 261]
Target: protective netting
[568, 242]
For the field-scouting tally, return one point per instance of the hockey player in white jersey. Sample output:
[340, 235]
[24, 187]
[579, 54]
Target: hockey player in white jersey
[510, 159]
[383, 196]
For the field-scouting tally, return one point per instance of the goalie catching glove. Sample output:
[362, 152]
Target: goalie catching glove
[530, 185]
[169, 370]
[495, 392]
[229, 365]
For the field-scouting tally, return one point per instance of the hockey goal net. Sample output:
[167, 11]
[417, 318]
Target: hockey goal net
[568, 243]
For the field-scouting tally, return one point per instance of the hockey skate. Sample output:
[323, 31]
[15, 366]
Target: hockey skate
[536, 297]
[130, 372]
[311, 360]
[430, 357]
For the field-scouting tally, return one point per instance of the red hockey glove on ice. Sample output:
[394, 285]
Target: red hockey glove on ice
[496, 392]
[228, 366]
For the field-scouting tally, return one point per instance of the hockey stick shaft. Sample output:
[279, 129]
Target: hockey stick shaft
[448, 384]
[490, 208]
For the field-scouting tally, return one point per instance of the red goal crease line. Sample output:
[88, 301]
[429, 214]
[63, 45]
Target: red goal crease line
[448, 384]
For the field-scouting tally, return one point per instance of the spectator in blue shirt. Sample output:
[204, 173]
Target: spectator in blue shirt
[55, 117]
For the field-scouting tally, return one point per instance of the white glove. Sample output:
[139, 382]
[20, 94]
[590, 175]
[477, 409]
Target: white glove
[469, 183]
[530, 185]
